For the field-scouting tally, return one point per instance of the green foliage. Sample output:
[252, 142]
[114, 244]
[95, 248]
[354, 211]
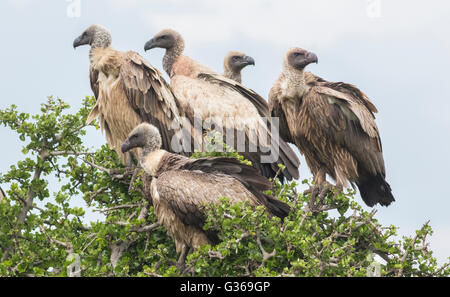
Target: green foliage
[42, 233]
[216, 147]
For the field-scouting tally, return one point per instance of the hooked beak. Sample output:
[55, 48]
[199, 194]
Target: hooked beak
[79, 41]
[249, 60]
[126, 146]
[312, 58]
[149, 44]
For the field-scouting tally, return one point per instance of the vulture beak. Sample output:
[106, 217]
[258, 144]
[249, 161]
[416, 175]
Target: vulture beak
[79, 41]
[149, 44]
[311, 58]
[126, 146]
[249, 60]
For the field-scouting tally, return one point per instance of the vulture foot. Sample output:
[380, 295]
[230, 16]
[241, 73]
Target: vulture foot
[318, 191]
[182, 259]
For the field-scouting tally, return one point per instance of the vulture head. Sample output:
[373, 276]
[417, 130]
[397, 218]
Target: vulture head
[236, 61]
[95, 36]
[299, 58]
[167, 39]
[145, 136]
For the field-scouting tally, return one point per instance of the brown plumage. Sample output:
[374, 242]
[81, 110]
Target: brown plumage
[2, 195]
[224, 103]
[333, 125]
[233, 64]
[129, 91]
[181, 186]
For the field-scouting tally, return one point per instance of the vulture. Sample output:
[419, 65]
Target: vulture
[236, 111]
[233, 63]
[129, 91]
[182, 186]
[333, 126]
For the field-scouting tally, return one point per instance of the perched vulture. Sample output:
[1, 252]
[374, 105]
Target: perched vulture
[227, 105]
[128, 91]
[181, 186]
[233, 63]
[333, 125]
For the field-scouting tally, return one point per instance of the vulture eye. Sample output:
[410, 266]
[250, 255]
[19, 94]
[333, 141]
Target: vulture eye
[297, 54]
[235, 58]
[163, 37]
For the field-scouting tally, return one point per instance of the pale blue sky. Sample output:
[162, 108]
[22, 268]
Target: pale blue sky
[398, 53]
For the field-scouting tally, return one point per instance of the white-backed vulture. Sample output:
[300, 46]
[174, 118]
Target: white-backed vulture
[181, 187]
[128, 91]
[227, 104]
[233, 64]
[333, 125]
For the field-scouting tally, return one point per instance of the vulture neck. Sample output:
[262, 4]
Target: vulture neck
[236, 76]
[295, 82]
[171, 56]
[96, 50]
[150, 160]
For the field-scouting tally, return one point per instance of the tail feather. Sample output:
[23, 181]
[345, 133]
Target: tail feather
[375, 189]
[277, 207]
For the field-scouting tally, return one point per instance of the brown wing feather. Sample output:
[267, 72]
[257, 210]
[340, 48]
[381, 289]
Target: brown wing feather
[151, 97]
[335, 118]
[276, 111]
[185, 193]
[93, 78]
[287, 155]
[247, 176]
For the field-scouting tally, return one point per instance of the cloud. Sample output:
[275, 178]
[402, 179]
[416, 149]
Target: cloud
[285, 23]
[21, 4]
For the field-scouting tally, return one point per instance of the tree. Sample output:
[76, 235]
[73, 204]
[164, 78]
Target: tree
[42, 234]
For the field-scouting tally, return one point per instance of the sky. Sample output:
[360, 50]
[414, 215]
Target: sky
[397, 52]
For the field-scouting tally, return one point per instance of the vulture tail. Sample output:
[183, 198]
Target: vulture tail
[375, 189]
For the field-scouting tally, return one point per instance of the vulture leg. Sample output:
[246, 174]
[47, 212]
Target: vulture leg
[325, 189]
[319, 177]
[320, 192]
[182, 259]
[318, 180]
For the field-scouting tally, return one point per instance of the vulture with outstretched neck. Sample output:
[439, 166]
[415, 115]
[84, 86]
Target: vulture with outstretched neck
[129, 91]
[233, 64]
[333, 125]
[181, 187]
[227, 104]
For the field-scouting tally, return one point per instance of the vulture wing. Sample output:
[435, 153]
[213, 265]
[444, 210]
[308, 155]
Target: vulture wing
[345, 115]
[129, 91]
[246, 175]
[202, 181]
[219, 98]
[276, 111]
[151, 97]
[250, 95]
[93, 78]
[2, 195]
[346, 120]
[187, 192]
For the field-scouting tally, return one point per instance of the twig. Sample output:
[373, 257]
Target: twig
[265, 254]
